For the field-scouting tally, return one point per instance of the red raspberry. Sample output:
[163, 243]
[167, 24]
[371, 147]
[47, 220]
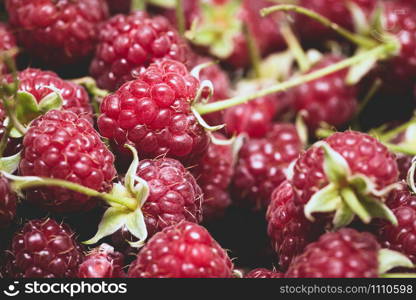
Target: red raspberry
[399, 73]
[153, 113]
[262, 164]
[264, 274]
[57, 32]
[289, 230]
[328, 99]
[343, 254]
[41, 83]
[64, 146]
[7, 42]
[119, 6]
[401, 238]
[336, 10]
[43, 249]
[127, 44]
[174, 194]
[363, 153]
[254, 118]
[185, 250]
[404, 162]
[214, 173]
[8, 203]
[102, 262]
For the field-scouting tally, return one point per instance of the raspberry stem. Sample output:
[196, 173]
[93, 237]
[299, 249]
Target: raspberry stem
[295, 47]
[356, 39]
[180, 17]
[379, 51]
[21, 183]
[253, 50]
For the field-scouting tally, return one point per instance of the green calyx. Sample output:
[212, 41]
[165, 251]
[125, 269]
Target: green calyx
[125, 201]
[119, 215]
[347, 195]
[217, 27]
[389, 260]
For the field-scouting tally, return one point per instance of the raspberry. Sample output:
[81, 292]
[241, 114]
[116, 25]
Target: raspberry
[364, 155]
[127, 44]
[289, 230]
[14, 145]
[174, 194]
[185, 250]
[64, 146]
[214, 173]
[328, 99]
[119, 6]
[343, 254]
[399, 73]
[41, 83]
[43, 249]
[102, 262]
[57, 32]
[153, 113]
[8, 203]
[336, 10]
[262, 164]
[254, 118]
[404, 162]
[401, 238]
[7, 42]
[263, 273]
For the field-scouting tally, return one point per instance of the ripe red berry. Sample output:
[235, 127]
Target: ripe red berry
[43, 249]
[289, 230]
[336, 10]
[214, 173]
[57, 32]
[356, 161]
[264, 274]
[64, 146]
[102, 262]
[262, 165]
[254, 118]
[399, 73]
[41, 83]
[8, 203]
[7, 42]
[185, 250]
[401, 238]
[328, 99]
[127, 44]
[13, 145]
[174, 195]
[343, 254]
[153, 114]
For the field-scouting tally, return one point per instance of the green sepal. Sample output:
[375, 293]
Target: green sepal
[209, 33]
[336, 168]
[343, 216]
[323, 201]
[113, 220]
[378, 209]
[28, 109]
[389, 259]
[355, 204]
[10, 164]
